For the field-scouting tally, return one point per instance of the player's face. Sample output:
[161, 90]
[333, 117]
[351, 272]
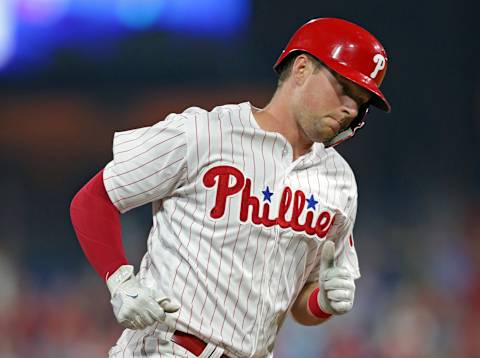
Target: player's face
[326, 103]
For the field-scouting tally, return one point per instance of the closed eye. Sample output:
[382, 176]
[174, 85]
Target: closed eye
[358, 94]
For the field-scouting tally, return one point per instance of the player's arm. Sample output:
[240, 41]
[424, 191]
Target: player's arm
[333, 294]
[300, 310]
[96, 222]
[148, 164]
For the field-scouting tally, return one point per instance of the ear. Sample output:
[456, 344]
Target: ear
[301, 69]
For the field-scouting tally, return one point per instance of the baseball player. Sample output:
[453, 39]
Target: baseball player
[253, 209]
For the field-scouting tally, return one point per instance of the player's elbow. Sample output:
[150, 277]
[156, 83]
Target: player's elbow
[75, 207]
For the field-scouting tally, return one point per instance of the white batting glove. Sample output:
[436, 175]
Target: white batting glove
[134, 305]
[337, 287]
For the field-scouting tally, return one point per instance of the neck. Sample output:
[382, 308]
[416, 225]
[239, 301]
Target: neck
[278, 117]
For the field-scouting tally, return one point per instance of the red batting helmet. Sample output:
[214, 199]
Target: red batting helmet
[350, 51]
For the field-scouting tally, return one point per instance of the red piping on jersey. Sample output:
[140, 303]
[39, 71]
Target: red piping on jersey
[96, 222]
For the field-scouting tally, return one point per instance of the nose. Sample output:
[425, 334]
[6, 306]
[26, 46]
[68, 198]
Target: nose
[349, 107]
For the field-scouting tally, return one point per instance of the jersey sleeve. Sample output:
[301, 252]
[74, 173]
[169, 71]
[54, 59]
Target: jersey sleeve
[148, 163]
[342, 235]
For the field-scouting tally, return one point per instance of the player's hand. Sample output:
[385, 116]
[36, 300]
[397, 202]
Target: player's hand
[134, 305]
[337, 287]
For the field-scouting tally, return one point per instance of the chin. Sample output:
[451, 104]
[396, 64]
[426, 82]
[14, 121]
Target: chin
[325, 136]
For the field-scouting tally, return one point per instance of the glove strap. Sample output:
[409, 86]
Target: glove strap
[314, 306]
[123, 273]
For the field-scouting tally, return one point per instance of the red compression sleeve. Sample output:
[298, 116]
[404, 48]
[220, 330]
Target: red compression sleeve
[97, 224]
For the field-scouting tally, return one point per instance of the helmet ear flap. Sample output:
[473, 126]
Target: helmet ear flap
[359, 120]
[356, 124]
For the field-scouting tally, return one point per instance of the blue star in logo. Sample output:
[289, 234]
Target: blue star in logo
[267, 194]
[311, 202]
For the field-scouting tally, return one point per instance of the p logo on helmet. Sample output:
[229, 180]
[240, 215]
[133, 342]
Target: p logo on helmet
[380, 61]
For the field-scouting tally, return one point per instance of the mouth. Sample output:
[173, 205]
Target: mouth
[335, 125]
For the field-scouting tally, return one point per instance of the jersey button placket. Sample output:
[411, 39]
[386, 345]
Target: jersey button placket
[287, 156]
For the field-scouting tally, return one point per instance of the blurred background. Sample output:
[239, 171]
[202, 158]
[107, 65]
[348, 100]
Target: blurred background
[74, 71]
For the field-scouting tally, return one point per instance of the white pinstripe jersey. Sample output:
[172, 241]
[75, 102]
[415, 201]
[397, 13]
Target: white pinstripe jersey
[237, 225]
